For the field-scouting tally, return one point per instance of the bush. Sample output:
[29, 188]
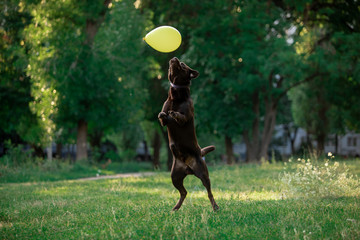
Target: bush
[113, 156]
[16, 155]
[318, 179]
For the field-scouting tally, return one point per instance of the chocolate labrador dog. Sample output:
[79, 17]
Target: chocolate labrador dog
[178, 115]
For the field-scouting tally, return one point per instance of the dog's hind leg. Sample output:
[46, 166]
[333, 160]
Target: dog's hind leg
[177, 177]
[200, 170]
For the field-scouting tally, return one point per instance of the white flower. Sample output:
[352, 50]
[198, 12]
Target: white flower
[329, 154]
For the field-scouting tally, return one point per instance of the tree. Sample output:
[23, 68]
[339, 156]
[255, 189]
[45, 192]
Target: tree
[17, 121]
[310, 116]
[345, 84]
[330, 31]
[85, 66]
[248, 61]
[285, 118]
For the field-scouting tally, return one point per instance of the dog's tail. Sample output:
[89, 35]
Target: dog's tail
[207, 149]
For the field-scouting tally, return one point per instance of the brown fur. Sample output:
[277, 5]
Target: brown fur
[178, 115]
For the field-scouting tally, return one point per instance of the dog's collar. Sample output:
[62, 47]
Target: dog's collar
[178, 86]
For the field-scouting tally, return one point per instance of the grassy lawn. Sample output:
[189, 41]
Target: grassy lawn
[56, 171]
[251, 199]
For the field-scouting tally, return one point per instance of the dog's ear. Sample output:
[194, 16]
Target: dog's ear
[193, 74]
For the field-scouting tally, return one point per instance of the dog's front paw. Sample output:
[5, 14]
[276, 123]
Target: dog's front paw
[162, 115]
[163, 118]
[172, 114]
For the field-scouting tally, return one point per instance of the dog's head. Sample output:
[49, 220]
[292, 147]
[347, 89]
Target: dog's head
[180, 74]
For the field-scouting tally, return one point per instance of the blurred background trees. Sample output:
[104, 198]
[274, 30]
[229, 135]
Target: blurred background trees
[79, 73]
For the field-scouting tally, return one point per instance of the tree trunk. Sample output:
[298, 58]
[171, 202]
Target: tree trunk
[322, 129]
[229, 151]
[255, 151]
[93, 25]
[336, 144]
[292, 141]
[69, 153]
[291, 138]
[91, 28]
[251, 150]
[252, 144]
[59, 147]
[146, 151]
[81, 143]
[269, 125]
[320, 144]
[49, 152]
[156, 147]
[309, 143]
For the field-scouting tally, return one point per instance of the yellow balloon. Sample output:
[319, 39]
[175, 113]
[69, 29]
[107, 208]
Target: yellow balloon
[164, 39]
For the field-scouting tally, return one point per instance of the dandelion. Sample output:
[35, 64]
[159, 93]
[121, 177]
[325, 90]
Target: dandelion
[326, 164]
[329, 154]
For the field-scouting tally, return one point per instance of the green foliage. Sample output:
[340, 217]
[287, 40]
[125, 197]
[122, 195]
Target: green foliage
[127, 141]
[345, 80]
[74, 79]
[113, 156]
[66, 61]
[15, 156]
[237, 56]
[246, 67]
[329, 32]
[338, 66]
[303, 98]
[15, 85]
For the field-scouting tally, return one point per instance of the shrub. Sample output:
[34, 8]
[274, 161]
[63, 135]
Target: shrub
[16, 155]
[318, 179]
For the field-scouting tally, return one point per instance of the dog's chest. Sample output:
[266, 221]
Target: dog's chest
[183, 106]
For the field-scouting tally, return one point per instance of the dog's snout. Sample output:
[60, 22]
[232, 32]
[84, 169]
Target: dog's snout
[174, 60]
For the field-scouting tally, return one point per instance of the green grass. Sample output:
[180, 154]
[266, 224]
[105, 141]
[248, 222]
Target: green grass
[250, 198]
[55, 171]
